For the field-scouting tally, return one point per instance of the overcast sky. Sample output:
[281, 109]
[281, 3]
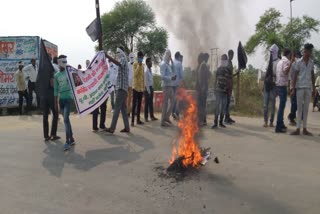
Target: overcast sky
[63, 22]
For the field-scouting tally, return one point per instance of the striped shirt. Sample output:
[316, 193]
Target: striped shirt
[123, 75]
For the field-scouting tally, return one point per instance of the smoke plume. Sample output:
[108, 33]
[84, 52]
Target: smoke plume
[199, 25]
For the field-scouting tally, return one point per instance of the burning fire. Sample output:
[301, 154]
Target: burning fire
[186, 146]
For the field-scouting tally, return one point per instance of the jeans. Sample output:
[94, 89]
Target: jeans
[95, 113]
[31, 89]
[22, 94]
[148, 104]
[47, 105]
[120, 105]
[136, 105]
[175, 107]
[221, 102]
[303, 102]
[202, 107]
[228, 107]
[167, 103]
[282, 92]
[269, 99]
[294, 107]
[65, 105]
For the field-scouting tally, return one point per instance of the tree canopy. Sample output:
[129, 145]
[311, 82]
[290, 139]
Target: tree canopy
[270, 30]
[131, 24]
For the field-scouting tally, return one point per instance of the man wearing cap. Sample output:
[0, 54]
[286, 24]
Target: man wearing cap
[31, 72]
[63, 99]
[130, 65]
[21, 86]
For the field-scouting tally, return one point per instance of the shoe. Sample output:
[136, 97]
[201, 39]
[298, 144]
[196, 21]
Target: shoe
[292, 123]
[103, 128]
[125, 131]
[72, 142]
[215, 126]
[95, 130]
[222, 125]
[295, 133]
[231, 120]
[46, 139]
[66, 146]
[271, 125]
[168, 121]
[282, 130]
[132, 124]
[175, 117]
[53, 138]
[146, 120]
[265, 125]
[154, 118]
[165, 125]
[140, 123]
[306, 133]
[228, 122]
[109, 130]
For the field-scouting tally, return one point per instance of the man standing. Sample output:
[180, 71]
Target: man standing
[293, 96]
[121, 92]
[114, 74]
[228, 119]
[168, 77]
[148, 93]
[129, 100]
[55, 64]
[21, 86]
[63, 99]
[204, 75]
[177, 83]
[31, 72]
[283, 69]
[269, 94]
[221, 88]
[95, 113]
[138, 88]
[316, 97]
[303, 82]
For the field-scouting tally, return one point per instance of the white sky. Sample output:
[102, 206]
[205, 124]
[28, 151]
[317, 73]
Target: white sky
[63, 22]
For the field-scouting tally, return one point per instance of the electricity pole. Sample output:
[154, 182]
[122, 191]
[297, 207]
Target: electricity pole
[99, 25]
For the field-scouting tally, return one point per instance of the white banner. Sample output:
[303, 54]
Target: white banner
[91, 87]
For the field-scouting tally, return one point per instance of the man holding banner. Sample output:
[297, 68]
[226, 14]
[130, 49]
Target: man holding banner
[122, 91]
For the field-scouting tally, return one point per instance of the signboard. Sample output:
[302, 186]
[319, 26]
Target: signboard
[91, 87]
[13, 50]
[51, 48]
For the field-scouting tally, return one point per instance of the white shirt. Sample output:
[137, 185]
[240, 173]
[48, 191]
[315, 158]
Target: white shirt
[148, 78]
[130, 65]
[31, 72]
[113, 73]
[282, 79]
[56, 68]
[304, 71]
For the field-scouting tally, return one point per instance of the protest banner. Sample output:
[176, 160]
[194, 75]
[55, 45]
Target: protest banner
[12, 50]
[90, 88]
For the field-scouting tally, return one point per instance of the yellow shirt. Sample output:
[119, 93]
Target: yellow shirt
[138, 77]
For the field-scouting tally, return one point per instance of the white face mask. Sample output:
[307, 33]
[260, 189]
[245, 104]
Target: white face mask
[62, 63]
[224, 63]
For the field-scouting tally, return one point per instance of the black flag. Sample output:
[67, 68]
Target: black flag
[242, 57]
[45, 74]
[93, 30]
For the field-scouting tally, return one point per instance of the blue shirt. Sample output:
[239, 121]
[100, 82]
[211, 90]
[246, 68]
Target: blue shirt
[178, 71]
[166, 74]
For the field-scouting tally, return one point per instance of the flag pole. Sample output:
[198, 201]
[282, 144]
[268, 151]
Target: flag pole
[99, 25]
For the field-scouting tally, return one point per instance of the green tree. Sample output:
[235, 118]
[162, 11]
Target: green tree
[270, 30]
[132, 22]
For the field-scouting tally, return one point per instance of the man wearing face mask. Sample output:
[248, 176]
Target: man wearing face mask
[31, 72]
[168, 77]
[63, 98]
[221, 89]
[130, 65]
[121, 91]
[138, 88]
[21, 86]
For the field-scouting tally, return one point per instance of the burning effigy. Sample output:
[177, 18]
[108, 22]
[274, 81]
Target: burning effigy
[186, 152]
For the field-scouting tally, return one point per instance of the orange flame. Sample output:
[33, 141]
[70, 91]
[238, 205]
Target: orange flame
[187, 147]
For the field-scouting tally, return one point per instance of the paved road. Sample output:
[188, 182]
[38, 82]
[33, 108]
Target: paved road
[260, 172]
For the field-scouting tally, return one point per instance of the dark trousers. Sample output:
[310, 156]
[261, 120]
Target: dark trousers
[22, 94]
[227, 116]
[202, 107]
[282, 92]
[294, 107]
[31, 89]
[315, 100]
[136, 104]
[120, 106]
[47, 105]
[95, 113]
[175, 108]
[112, 99]
[148, 103]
